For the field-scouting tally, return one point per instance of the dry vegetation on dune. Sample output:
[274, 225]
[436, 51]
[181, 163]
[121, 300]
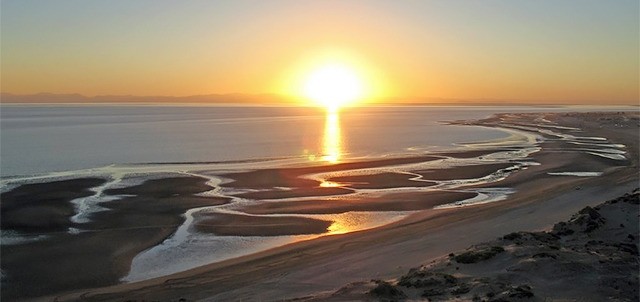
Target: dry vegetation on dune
[591, 257]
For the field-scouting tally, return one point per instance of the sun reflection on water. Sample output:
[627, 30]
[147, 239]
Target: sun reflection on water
[330, 184]
[344, 224]
[332, 139]
[337, 228]
[353, 221]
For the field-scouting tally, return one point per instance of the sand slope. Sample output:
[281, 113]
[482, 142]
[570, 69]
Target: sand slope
[591, 257]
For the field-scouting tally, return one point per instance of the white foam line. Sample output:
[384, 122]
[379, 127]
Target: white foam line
[86, 206]
[519, 154]
[557, 134]
[593, 138]
[619, 146]
[579, 174]
[485, 195]
[6, 187]
[550, 126]
[491, 178]
[212, 181]
[544, 120]
[13, 238]
[517, 138]
[609, 156]
[607, 151]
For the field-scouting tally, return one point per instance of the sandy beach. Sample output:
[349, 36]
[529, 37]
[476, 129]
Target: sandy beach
[591, 257]
[88, 265]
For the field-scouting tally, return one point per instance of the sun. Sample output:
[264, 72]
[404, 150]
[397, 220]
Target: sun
[333, 86]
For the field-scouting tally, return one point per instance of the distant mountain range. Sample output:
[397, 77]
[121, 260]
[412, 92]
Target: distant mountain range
[269, 99]
[208, 98]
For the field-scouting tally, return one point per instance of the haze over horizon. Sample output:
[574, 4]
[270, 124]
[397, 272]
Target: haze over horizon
[563, 52]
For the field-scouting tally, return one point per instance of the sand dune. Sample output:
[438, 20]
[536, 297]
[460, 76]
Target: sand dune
[591, 257]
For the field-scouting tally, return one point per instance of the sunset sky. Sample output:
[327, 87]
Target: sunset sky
[562, 51]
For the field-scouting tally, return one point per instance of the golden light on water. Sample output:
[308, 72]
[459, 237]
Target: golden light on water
[332, 139]
[351, 222]
[330, 184]
[337, 227]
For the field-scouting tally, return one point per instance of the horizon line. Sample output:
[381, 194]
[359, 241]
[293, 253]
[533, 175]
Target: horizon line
[275, 98]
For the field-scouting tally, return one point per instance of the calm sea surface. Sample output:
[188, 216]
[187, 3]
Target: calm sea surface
[38, 139]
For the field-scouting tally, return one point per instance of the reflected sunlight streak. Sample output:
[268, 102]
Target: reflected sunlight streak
[348, 222]
[338, 228]
[332, 140]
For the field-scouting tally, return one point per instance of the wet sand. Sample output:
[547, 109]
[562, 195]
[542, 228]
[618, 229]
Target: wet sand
[47, 208]
[244, 225]
[463, 172]
[291, 178]
[381, 181]
[289, 183]
[389, 202]
[101, 253]
[147, 214]
[468, 153]
[295, 192]
[329, 262]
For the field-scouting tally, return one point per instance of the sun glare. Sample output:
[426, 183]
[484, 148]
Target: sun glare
[332, 140]
[333, 86]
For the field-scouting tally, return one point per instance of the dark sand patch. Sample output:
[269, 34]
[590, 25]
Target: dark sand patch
[469, 154]
[244, 225]
[45, 207]
[389, 202]
[270, 179]
[102, 254]
[296, 192]
[380, 181]
[290, 177]
[165, 187]
[463, 172]
[580, 162]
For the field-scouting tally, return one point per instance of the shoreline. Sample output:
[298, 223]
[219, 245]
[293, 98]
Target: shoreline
[396, 236]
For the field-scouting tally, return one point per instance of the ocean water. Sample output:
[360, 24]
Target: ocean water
[43, 139]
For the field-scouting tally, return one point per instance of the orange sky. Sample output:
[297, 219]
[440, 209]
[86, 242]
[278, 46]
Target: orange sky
[551, 51]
